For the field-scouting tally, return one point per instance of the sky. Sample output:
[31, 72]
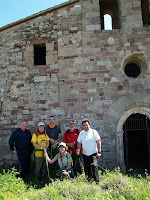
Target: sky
[14, 10]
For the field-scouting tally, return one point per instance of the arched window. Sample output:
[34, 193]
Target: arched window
[107, 22]
[109, 14]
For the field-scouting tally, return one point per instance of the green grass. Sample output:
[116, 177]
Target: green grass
[112, 185]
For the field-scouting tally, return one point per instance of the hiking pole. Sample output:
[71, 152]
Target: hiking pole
[51, 152]
[47, 165]
[102, 169]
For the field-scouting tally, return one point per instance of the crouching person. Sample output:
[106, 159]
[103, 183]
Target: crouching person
[40, 141]
[64, 161]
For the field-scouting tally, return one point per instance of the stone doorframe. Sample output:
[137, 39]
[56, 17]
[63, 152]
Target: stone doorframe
[116, 116]
[119, 137]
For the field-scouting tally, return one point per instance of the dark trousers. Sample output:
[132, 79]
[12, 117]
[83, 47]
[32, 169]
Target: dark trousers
[78, 165]
[90, 167]
[24, 162]
[40, 167]
[53, 152]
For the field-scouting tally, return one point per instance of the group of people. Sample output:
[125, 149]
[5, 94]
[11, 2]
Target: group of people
[76, 152]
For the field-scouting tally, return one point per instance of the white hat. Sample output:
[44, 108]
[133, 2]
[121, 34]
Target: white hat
[41, 124]
[62, 144]
[71, 122]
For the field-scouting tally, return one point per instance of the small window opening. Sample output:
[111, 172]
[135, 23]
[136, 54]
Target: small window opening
[145, 6]
[132, 70]
[109, 11]
[39, 54]
[107, 22]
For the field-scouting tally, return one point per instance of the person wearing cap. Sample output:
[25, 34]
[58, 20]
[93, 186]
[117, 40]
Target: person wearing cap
[91, 148]
[20, 144]
[54, 133]
[70, 138]
[40, 141]
[64, 161]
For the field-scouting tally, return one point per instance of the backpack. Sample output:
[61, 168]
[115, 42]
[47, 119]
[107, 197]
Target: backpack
[56, 125]
[68, 132]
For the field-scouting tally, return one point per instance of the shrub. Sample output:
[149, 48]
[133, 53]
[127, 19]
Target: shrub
[112, 185]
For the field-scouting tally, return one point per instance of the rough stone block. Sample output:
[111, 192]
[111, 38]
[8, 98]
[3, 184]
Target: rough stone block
[39, 78]
[25, 112]
[29, 48]
[50, 59]
[93, 27]
[67, 51]
[50, 46]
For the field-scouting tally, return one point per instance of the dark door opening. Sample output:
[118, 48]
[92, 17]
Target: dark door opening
[137, 150]
[137, 143]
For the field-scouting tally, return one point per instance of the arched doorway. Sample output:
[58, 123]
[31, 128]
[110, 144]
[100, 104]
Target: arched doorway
[136, 139]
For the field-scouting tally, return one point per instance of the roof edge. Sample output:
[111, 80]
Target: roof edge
[38, 14]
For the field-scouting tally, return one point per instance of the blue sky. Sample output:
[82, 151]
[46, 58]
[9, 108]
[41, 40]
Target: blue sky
[14, 10]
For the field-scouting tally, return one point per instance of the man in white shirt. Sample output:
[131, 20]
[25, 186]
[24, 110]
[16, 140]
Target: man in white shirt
[91, 149]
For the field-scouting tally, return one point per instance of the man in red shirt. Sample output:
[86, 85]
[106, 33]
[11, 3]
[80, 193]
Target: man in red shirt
[70, 138]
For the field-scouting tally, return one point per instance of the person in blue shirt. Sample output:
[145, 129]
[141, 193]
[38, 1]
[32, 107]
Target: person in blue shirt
[54, 133]
[20, 144]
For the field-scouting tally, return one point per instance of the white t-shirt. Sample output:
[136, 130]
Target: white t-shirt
[88, 140]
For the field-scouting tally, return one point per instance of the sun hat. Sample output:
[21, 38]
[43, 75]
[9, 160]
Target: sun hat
[71, 122]
[41, 124]
[62, 144]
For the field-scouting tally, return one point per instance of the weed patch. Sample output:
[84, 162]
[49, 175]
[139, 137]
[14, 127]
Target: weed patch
[112, 185]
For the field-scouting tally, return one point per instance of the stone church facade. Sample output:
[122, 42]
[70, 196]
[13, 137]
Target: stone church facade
[63, 62]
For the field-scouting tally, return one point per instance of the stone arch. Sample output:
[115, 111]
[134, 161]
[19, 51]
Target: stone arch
[140, 109]
[111, 8]
[123, 104]
[116, 116]
[119, 141]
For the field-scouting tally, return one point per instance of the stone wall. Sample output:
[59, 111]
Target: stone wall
[29, 92]
[84, 72]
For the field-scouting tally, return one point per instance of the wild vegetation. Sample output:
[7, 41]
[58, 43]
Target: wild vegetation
[112, 185]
